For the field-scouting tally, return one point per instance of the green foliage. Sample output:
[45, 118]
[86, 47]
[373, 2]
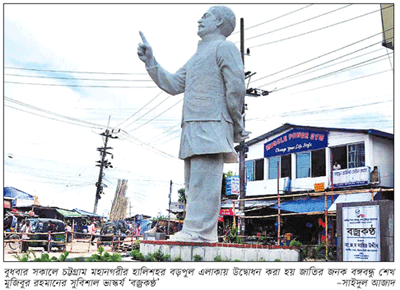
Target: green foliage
[277, 260]
[43, 258]
[197, 258]
[136, 255]
[177, 259]
[294, 243]
[182, 196]
[156, 257]
[63, 257]
[103, 256]
[218, 259]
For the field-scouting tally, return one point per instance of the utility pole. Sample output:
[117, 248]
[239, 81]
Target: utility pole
[103, 163]
[242, 168]
[169, 206]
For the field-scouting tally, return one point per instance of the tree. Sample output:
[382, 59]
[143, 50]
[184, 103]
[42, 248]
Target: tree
[182, 199]
[182, 196]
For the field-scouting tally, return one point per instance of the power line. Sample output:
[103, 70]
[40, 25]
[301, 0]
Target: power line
[159, 104]
[342, 56]
[357, 65]
[69, 71]
[319, 110]
[47, 117]
[83, 86]
[156, 116]
[320, 56]
[77, 79]
[315, 30]
[334, 84]
[139, 109]
[276, 18]
[48, 112]
[297, 23]
[136, 141]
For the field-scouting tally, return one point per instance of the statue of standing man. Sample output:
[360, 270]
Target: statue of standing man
[212, 120]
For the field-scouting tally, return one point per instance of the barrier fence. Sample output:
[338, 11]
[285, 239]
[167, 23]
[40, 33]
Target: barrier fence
[119, 242]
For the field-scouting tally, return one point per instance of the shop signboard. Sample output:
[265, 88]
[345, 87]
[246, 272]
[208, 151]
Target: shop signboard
[361, 233]
[19, 202]
[351, 177]
[296, 141]
[232, 185]
[226, 211]
[7, 203]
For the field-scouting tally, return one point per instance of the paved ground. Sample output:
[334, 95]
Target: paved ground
[79, 249]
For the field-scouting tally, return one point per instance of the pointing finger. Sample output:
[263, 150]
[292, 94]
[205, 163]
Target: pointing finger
[143, 38]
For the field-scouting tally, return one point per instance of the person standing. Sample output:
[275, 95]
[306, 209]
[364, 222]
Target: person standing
[138, 230]
[212, 120]
[25, 230]
[92, 232]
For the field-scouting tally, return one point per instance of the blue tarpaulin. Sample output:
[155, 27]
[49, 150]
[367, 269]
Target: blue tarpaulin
[15, 193]
[315, 204]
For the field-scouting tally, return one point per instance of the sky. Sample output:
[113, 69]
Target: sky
[71, 71]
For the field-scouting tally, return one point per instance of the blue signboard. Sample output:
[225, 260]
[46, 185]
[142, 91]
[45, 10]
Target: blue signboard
[296, 141]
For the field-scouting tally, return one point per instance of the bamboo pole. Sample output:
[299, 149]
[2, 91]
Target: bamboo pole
[279, 205]
[315, 194]
[292, 214]
[73, 235]
[326, 228]
[234, 214]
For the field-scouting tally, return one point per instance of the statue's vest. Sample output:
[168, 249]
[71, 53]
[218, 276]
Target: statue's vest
[205, 89]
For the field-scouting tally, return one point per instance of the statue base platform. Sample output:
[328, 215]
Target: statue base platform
[187, 251]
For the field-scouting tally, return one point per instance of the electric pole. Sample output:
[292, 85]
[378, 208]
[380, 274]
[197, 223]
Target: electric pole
[242, 168]
[103, 163]
[169, 206]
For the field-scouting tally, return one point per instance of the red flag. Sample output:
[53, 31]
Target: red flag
[321, 223]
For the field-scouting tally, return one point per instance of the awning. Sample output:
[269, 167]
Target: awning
[21, 199]
[249, 203]
[307, 205]
[346, 198]
[68, 213]
[86, 213]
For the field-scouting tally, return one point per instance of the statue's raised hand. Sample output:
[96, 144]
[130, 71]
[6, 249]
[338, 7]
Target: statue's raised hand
[145, 52]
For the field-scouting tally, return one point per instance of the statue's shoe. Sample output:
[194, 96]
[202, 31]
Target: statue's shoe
[188, 237]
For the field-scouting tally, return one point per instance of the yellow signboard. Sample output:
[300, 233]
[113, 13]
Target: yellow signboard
[319, 186]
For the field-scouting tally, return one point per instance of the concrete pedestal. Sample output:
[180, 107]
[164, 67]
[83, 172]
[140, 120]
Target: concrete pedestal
[228, 252]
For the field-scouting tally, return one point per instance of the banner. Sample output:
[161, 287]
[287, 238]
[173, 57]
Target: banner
[296, 141]
[351, 177]
[361, 233]
[232, 185]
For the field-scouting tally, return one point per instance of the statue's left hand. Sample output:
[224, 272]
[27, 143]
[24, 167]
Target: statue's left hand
[241, 136]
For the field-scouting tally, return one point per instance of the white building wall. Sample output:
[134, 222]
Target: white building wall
[383, 157]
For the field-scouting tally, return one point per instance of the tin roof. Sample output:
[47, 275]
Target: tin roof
[287, 126]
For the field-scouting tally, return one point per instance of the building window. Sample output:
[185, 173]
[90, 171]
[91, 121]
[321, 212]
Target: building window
[356, 154]
[318, 163]
[255, 169]
[311, 164]
[285, 166]
[273, 167]
[259, 169]
[349, 156]
[303, 165]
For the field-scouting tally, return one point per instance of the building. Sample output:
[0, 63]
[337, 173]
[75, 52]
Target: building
[303, 157]
[312, 169]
